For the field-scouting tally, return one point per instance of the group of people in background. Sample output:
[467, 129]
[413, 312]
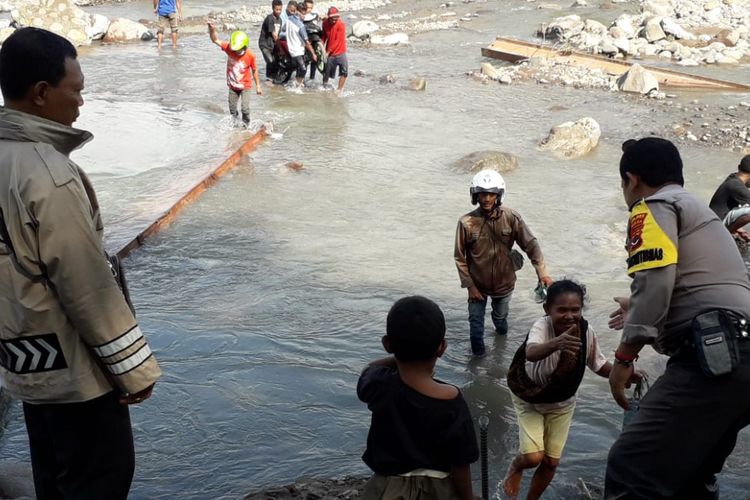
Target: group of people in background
[289, 40]
[286, 46]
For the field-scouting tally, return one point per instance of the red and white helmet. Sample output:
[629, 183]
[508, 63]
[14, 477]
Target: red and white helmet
[487, 181]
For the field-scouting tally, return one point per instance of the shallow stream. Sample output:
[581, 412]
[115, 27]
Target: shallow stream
[268, 295]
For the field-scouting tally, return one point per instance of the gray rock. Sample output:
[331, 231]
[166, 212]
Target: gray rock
[417, 84]
[608, 47]
[671, 27]
[363, 29]
[563, 28]
[490, 71]
[393, 39]
[16, 481]
[626, 23]
[98, 27]
[498, 161]
[652, 30]
[59, 16]
[389, 78]
[637, 80]
[125, 30]
[505, 79]
[572, 140]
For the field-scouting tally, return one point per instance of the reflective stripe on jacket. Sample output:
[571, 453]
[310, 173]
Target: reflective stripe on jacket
[66, 330]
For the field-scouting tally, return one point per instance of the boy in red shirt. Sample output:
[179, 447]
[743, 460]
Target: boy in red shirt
[334, 36]
[240, 63]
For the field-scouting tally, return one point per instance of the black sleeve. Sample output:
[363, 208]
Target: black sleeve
[739, 192]
[371, 381]
[267, 28]
[464, 443]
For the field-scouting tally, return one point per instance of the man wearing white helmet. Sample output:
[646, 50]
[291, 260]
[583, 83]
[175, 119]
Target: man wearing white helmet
[240, 67]
[484, 239]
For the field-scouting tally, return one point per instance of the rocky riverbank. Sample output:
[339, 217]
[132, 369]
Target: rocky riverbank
[346, 488]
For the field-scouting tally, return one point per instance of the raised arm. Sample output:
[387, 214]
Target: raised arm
[212, 34]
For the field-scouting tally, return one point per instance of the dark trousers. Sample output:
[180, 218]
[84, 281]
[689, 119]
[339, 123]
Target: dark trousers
[81, 451]
[685, 428]
[271, 66]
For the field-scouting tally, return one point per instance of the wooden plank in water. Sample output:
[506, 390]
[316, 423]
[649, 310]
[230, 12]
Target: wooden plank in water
[165, 219]
[508, 49]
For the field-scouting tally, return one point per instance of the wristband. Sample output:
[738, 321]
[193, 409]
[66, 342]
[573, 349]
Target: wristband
[625, 359]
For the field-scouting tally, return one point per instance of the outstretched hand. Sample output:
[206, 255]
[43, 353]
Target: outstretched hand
[619, 315]
[546, 281]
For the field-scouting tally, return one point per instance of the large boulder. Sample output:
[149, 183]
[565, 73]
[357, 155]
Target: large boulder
[572, 139]
[563, 28]
[498, 161]
[363, 29]
[125, 30]
[637, 80]
[59, 16]
[626, 26]
[671, 27]
[652, 30]
[98, 27]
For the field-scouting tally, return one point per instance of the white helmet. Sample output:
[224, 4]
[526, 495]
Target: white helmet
[487, 181]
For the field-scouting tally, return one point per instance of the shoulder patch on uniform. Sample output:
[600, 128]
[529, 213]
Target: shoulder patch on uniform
[57, 164]
[648, 245]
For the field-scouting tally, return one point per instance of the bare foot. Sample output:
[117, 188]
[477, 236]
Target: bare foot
[512, 482]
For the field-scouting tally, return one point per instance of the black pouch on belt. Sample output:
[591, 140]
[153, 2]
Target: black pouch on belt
[715, 338]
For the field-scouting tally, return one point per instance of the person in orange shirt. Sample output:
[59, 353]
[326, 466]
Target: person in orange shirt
[240, 64]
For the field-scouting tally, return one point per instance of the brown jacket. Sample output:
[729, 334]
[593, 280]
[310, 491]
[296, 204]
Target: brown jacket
[483, 245]
[63, 318]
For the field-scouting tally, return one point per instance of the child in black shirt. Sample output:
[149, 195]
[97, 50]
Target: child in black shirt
[421, 440]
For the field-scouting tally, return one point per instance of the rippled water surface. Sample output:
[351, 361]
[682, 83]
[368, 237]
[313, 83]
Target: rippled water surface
[267, 296]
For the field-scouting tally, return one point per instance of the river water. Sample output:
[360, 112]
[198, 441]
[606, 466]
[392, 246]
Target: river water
[267, 296]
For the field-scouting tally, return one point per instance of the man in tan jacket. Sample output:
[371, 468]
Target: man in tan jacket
[484, 239]
[70, 347]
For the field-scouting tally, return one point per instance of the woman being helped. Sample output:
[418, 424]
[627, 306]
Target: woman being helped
[544, 377]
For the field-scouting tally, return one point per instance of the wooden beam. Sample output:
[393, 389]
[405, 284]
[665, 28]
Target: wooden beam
[165, 219]
[511, 50]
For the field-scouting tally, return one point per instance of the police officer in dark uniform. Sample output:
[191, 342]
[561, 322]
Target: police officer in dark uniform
[690, 299]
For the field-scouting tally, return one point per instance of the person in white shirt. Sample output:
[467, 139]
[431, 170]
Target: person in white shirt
[544, 378]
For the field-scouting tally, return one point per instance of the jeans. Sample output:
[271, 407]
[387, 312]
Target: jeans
[500, 307]
[244, 97]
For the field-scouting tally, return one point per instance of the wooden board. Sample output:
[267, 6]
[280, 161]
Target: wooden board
[508, 49]
[165, 219]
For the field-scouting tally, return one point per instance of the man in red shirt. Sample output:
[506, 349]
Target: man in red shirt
[240, 64]
[334, 36]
